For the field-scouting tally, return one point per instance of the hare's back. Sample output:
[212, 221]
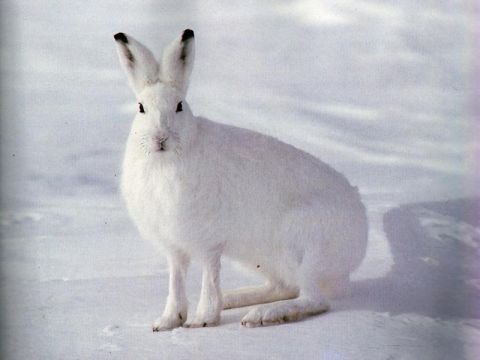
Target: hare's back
[251, 154]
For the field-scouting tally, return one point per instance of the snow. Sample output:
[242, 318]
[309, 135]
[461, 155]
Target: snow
[382, 90]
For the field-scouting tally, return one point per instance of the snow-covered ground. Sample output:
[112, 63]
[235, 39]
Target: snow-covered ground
[382, 90]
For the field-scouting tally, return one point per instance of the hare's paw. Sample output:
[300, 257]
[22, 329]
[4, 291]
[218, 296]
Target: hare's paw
[169, 322]
[263, 316]
[253, 318]
[198, 322]
[283, 311]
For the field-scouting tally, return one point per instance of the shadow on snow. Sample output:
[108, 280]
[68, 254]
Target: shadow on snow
[435, 247]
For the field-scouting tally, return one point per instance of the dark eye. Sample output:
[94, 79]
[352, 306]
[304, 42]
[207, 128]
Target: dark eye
[179, 107]
[140, 108]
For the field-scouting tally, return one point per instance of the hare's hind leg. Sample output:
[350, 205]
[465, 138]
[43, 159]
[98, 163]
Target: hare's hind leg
[310, 301]
[335, 287]
[258, 295]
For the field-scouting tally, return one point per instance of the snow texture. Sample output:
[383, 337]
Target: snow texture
[381, 90]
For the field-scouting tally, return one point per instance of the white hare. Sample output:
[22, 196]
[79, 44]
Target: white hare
[201, 190]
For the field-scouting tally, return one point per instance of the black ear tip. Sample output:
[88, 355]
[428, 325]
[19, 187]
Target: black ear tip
[121, 37]
[187, 34]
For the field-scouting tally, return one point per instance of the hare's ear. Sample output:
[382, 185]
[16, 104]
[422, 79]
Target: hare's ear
[177, 61]
[137, 61]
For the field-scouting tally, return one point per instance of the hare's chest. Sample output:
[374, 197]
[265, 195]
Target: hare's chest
[153, 196]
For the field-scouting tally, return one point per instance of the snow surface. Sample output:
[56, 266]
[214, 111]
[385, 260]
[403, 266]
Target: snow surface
[382, 90]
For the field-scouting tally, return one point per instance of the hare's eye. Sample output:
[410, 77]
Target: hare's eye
[179, 107]
[140, 108]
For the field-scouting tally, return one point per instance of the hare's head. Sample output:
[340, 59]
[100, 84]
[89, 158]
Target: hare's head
[160, 88]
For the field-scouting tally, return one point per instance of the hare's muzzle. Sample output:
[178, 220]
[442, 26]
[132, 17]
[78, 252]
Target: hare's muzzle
[161, 142]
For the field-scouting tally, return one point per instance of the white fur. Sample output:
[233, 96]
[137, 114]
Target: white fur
[219, 190]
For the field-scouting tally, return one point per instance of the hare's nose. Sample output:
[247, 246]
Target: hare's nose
[162, 137]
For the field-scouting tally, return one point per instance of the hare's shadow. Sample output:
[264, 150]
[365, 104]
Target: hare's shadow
[436, 272]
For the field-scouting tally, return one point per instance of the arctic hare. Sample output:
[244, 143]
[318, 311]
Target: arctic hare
[200, 190]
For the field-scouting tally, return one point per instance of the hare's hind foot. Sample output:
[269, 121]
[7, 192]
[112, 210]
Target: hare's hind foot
[257, 295]
[284, 311]
[311, 301]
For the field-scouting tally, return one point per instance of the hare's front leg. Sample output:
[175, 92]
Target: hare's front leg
[176, 308]
[210, 304]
